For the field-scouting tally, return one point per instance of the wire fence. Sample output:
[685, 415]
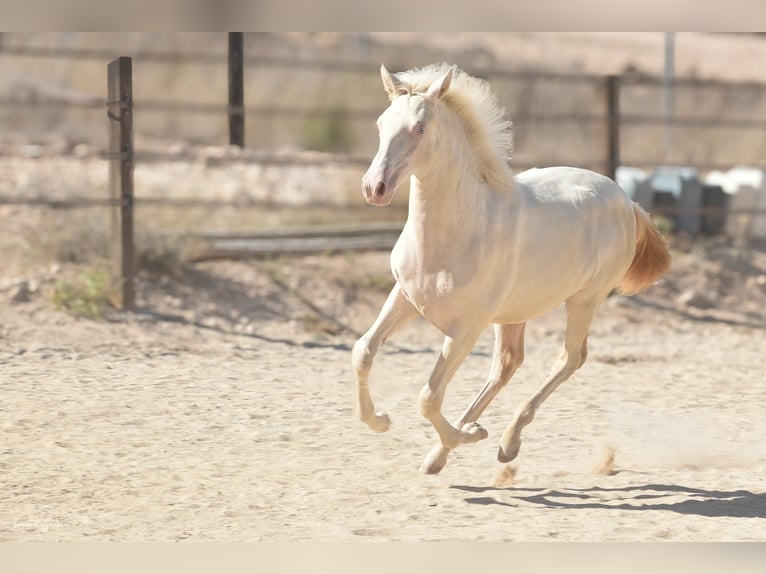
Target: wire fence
[611, 124]
[611, 106]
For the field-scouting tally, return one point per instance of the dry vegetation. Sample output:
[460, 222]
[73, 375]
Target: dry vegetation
[712, 276]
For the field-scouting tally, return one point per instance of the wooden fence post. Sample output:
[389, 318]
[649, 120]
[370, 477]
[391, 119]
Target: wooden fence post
[236, 90]
[612, 125]
[120, 157]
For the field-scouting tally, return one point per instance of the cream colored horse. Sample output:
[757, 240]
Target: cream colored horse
[481, 246]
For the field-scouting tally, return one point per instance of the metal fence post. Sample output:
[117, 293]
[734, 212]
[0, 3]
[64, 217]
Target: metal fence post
[120, 157]
[236, 90]
[612, 84]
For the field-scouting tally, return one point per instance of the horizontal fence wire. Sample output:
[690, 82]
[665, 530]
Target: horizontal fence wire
[214, 109]
[68, 203]
[258, 60]
[240, 203]
[351, 66]
[86, 101]
[254, 60]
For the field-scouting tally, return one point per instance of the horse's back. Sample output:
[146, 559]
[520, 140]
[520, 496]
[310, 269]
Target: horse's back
[570, 186]
[574, 198]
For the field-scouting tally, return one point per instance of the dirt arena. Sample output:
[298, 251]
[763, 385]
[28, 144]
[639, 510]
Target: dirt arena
[224, 410]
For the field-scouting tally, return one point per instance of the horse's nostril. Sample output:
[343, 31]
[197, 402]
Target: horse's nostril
[380, 189]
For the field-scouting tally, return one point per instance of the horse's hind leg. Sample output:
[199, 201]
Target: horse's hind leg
[579, 316]
[396, 312]
[506, 358]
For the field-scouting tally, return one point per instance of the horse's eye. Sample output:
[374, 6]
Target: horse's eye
[421, 129]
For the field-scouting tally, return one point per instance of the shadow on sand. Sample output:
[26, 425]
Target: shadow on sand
[224, 298]
[711, 503]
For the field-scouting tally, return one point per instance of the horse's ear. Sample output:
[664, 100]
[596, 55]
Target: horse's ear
[391, 83]
[440, 86]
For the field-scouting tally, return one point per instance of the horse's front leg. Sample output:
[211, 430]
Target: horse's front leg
[396, 312]
[506, 358]
[454, 351]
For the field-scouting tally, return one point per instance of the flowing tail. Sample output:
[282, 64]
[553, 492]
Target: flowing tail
[652, 258]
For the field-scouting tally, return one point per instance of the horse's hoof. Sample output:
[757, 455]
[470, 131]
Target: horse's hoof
[507, 455]
[474, 432]
[379, 422]
[435, 460]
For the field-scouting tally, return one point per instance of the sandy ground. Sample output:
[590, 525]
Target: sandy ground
[224, 410]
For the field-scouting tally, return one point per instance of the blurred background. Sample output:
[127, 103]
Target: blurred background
[677, 118]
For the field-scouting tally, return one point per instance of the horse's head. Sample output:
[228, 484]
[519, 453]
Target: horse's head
[404, 133]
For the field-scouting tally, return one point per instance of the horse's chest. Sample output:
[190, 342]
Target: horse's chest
[434, 296]
[438, 290]
[427, 289]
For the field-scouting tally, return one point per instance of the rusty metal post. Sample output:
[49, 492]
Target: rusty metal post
[120, 157]
[236, 90]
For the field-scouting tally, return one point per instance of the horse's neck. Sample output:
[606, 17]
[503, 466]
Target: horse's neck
[450, 199]
[436, 203]
[446, 201]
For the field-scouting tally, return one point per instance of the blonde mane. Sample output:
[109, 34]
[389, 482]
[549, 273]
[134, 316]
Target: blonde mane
[480, 113]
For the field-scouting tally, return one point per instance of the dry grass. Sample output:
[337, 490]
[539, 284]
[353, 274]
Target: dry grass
[86, 294]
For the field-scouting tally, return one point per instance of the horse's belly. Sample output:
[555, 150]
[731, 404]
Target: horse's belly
[521, 309]
[536, 289]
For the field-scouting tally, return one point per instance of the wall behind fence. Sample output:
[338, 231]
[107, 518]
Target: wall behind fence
[312, 96]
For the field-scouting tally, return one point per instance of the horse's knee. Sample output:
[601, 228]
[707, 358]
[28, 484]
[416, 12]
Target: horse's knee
[513, 362]
[430, 403]
[361, 356]
[509, 362]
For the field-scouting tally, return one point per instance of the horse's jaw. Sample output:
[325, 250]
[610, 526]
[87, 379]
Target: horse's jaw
[380, 203]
